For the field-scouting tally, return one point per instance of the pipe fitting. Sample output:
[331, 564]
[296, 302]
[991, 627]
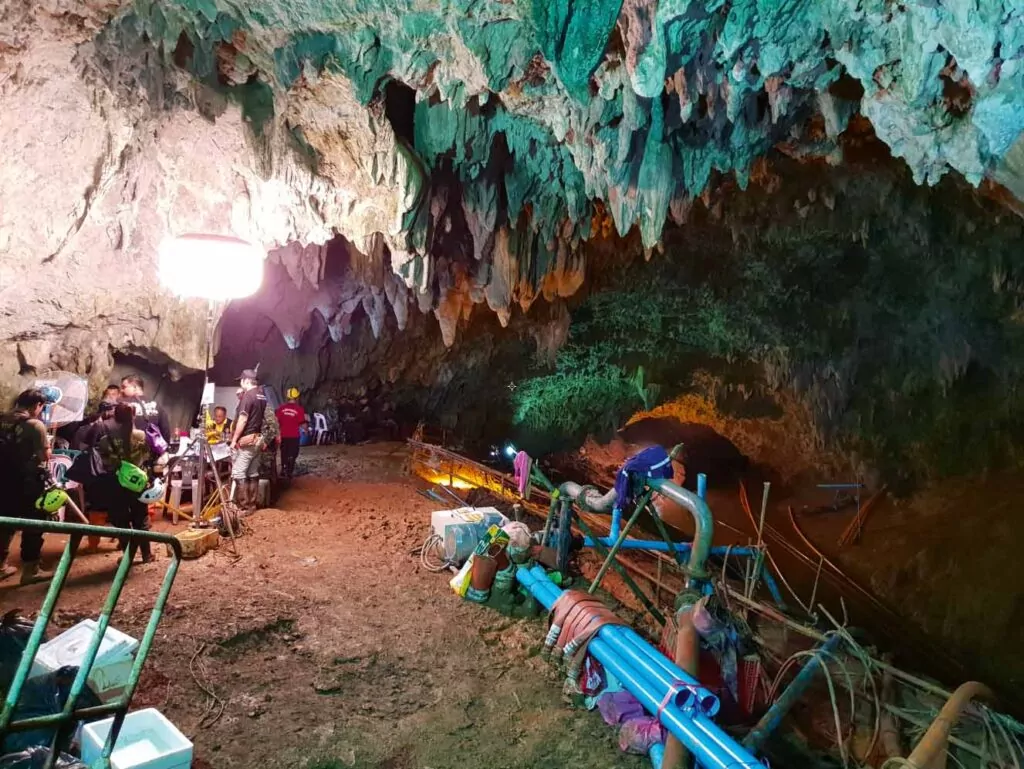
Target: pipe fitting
[703, 525]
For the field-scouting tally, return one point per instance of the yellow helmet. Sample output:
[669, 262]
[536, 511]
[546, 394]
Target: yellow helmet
[293, 393]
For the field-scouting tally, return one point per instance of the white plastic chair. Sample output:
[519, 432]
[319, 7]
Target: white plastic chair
[319, 428]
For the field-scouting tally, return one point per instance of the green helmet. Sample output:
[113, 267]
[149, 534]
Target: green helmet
[132, 477]
[52, 500]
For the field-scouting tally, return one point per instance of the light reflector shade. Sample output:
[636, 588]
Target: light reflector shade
[211, 266]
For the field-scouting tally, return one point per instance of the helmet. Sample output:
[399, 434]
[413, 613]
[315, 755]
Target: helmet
[132, 477]
[154, 493]
[293, 392]
[52, 500]
[52, 393]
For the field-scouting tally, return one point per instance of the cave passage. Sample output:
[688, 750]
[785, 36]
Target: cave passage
[706, 451]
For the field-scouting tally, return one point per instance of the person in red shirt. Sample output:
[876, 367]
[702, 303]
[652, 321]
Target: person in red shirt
[292, 417]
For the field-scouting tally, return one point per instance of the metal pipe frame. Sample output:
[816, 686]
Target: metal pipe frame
[703, 526]
[69, 715]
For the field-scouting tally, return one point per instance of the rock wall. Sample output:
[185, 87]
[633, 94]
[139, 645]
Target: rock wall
[836, 318]
[471, 154]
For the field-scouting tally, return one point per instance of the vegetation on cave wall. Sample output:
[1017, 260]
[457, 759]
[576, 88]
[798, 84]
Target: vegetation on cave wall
[894, 311]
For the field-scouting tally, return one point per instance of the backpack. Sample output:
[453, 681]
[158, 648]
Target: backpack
[155, 440]
[15, 467]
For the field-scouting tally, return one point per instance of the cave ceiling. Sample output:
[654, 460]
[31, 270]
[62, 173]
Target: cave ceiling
[474, 147]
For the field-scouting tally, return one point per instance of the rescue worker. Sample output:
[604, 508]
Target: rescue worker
[24, 476]
[271, 439]
[246, 441]
[133, 392]
[291, 416]
[218, 429]
[118, 440]
[81, 440]
[663, 504]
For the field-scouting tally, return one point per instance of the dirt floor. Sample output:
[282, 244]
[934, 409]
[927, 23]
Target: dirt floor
[327, 645]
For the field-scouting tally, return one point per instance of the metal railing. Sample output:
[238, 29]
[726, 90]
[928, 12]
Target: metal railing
[65, 720]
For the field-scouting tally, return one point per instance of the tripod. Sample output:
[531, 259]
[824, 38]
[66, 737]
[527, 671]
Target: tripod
[203, 452]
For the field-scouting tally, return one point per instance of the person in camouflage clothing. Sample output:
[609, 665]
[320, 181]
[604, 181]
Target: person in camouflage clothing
[24, 476]
[271, 435]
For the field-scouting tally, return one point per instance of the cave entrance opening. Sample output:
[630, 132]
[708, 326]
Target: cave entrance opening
[706, 451]
[178, 395]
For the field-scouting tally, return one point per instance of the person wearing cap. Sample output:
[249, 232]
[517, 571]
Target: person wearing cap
[246, 440]
[291, 417]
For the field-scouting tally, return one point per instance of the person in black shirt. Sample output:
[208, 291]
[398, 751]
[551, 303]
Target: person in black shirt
[80, 441]
[133, 392]
[246, 441]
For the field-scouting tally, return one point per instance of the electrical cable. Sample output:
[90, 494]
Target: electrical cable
[427, 550]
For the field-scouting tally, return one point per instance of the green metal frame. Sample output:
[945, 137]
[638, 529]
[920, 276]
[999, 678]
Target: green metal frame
[66, 719]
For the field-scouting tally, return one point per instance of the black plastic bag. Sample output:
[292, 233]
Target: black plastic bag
[44, 696]
[35, 758]
[14, 632]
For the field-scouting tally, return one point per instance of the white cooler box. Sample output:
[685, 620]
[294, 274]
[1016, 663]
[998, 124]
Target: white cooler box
[147, 741]
[113, 664]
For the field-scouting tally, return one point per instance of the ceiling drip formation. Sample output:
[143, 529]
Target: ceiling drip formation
[477, 142]
[476, 153]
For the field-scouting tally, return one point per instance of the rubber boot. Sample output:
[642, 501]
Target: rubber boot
[253, 485]
[32, 574]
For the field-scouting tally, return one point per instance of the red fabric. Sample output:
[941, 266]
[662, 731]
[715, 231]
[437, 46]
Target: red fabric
[290, 416]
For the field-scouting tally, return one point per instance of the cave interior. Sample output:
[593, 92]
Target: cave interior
[785, 234]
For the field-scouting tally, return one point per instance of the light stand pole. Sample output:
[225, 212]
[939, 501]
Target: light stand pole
[215, 268]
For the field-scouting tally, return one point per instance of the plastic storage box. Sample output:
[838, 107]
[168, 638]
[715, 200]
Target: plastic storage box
[113, 664]
[147, 741]
[462, 528]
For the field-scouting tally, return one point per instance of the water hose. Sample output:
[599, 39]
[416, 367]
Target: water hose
[588, 498]
[932, 751]
[687, 656]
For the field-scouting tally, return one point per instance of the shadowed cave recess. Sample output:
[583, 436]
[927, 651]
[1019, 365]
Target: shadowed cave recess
[787, 235]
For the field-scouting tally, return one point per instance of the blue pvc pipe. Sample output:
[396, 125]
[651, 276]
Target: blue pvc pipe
[659, 671]
[639, 544]
[770, 721]
[702, 486]
[657, 545]
[709, 745]
[659, 677]
[661, 674]
[657, 755]
[773, 587]
[613, 534]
